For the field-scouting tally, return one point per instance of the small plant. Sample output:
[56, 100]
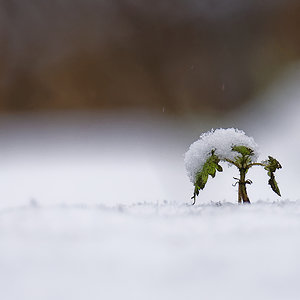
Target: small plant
[231, 146]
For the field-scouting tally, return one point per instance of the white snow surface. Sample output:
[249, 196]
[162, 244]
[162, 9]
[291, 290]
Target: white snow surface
[151, 251]
[221, 140]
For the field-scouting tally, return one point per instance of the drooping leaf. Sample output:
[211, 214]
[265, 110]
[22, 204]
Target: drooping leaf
[272, 182]
[271, 165]
[209, 168]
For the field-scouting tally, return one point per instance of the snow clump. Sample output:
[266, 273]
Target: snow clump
[221, 140]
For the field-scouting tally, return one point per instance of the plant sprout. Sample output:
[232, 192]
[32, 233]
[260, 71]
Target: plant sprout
[231, 146]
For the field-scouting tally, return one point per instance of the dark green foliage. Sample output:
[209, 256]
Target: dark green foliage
[271, 165]
[243, 161]
[245, 151]
[245, 158]
[272, 182]
[209, 168]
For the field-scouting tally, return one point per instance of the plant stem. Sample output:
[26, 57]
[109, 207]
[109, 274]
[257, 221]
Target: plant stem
[242, 196]
[257, 164]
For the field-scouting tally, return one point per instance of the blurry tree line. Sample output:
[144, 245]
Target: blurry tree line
[105, 54]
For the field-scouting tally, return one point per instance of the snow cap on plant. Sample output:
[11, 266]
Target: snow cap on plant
[221, 141]
[229, 145]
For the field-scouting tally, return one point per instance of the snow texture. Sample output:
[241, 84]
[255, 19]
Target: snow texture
[151, 251]
[221, 140]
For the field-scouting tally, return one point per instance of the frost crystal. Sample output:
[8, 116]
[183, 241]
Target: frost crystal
[221, 141]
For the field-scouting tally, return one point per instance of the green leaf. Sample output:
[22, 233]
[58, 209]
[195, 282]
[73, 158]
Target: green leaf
[245, 151]
[219, 168]
[272, 182]
[271, 165]
[209, 168]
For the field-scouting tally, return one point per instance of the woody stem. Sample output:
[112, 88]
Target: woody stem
[242, 196]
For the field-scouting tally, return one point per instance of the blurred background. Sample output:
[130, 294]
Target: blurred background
[99, 100]
[127, 54]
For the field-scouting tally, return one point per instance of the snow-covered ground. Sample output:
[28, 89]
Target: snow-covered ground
[96, 207]
[151, 251]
